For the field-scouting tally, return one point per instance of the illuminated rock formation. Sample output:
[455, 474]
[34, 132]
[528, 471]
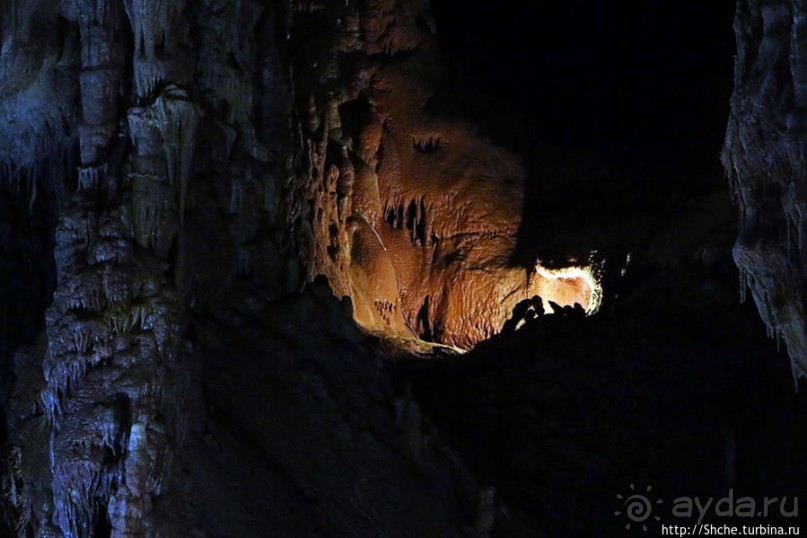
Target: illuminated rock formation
[410, 213]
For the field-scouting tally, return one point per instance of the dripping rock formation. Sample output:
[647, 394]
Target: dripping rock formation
[765, 160]
[408, 211]
[296, 268]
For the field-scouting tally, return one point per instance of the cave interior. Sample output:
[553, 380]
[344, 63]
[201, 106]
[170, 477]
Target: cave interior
[273, 268]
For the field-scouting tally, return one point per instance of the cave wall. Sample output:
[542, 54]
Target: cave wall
[406, 209]
[143, 149]
[764, 156]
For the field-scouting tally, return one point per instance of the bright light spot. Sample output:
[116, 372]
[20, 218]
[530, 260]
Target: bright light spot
[568, 286]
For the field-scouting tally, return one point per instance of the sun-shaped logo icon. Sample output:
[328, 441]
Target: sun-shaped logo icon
[637, 507]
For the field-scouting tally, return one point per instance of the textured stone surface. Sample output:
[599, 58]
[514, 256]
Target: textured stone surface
[765, 160]
[110, 105]
[408, 211]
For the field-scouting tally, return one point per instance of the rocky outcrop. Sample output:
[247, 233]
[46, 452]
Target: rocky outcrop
[765, 158]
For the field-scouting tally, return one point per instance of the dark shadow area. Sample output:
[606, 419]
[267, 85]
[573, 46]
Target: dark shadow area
[687, 397]
[616, 109]
[619, 112]
[27, 281]
[26, 275]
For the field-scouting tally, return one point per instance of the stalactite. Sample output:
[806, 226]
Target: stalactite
[239, 94]
[151, 22]
[23, 181]
[14, 492]
[427, 143]
[37, 105]
[77, 486]
[743, 284]
[765, 160]
[33, 189]
[180, 119]
[244, 260]
[236, 196]
[90, 177]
